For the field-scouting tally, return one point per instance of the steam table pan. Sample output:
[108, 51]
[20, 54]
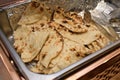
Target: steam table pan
[6, 37]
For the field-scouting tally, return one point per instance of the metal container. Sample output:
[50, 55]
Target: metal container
[6, 37]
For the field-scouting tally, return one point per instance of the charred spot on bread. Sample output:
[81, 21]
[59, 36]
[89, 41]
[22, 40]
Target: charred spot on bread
[87, 25]
[65, 21]
[41, 9]
[35, 4]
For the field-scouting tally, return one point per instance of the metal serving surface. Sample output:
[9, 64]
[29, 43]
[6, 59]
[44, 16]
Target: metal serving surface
[6, 37]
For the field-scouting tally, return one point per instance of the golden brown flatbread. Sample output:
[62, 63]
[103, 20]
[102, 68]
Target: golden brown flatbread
[20, 36]
[51, 49]
[35, 12]
[72, 22]
[28, 42]
[68, 56]
[83, 38]
[34, 44]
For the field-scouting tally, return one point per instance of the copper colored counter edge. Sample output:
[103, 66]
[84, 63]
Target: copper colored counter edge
[94, 65]
[13, 74]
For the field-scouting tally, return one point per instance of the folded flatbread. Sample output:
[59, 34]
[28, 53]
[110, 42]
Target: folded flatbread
[51, 49]
[83, 38]
[71, 21]
[29, 43]
[34, 44]
[35, 12]
[20, 36]
[68, 56]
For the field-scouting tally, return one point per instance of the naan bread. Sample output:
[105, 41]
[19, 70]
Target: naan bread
[35, 69]
[83, 38]
[28, 42]
[20, 36]
[51, 49]
[70, 54]
[41, 25]
[34, 44]
[35, 12]
[72, 22]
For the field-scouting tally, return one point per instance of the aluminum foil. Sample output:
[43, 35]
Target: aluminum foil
[72, 5]
[107, 14]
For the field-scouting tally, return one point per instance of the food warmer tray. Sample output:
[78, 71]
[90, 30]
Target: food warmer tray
[6, 37]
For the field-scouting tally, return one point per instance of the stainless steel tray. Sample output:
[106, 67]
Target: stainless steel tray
[6, 31]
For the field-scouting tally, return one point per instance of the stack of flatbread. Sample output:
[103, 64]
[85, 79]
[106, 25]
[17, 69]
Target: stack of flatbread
[55, 44]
